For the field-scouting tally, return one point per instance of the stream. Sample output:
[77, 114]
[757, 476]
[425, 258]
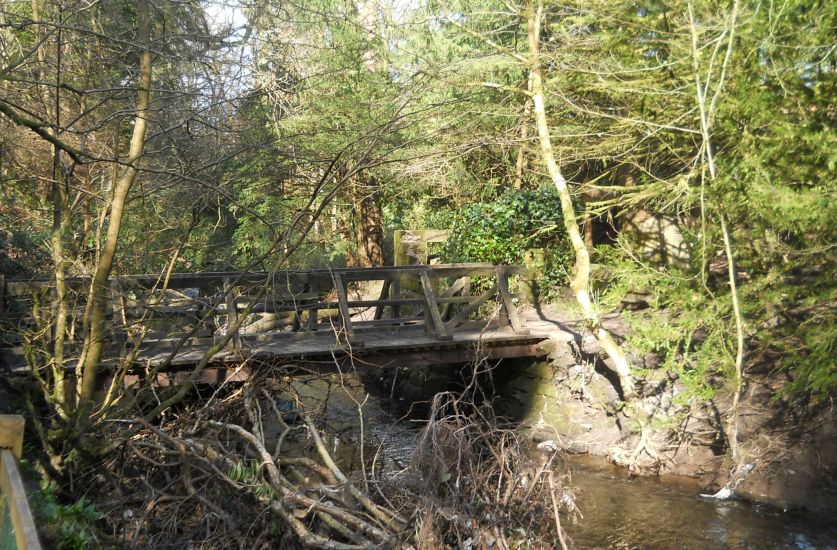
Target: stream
[619, 510]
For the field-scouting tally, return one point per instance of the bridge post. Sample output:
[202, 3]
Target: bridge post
[505, 297]
[11, 433]
[116, 310]
[379, 310]
[12, 488]
[206, 304]
[232, 313]
[395, 294]
[343, 304]
[432, 307]
[312, 319]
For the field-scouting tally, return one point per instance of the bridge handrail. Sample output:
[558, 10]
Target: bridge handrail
[306, 295]
[11, 485]
[20, 287]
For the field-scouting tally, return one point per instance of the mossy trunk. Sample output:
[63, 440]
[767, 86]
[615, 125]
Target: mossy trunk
[97, 305]
[581, 279]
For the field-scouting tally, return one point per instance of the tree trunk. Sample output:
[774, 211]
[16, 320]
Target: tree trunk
[707, 115]
[61, 223]
[370, 230]
[98, 296]
[581, 279]
[60, 228]
[589, 242]
[524, 138]
[371, 226]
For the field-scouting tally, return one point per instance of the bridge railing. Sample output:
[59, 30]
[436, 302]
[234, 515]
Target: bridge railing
[439, 297]
[148, 311]
[17, 527]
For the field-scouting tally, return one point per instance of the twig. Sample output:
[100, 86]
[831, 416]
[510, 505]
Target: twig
[555, 511]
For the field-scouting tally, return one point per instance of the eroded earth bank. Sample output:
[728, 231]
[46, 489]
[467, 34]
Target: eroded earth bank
[571, 399]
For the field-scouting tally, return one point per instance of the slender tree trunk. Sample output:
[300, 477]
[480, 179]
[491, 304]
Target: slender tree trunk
[98, 295]
[581, 279]
[60, 220]
[370, 229]
[524, 138]
[732, 429]
[707, 114]
[60, 227]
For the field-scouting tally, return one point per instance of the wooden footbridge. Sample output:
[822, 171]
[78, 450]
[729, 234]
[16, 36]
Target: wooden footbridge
[318, 319]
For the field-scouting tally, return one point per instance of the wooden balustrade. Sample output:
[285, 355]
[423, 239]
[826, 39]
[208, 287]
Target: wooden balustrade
[204, 305]
[16, 523]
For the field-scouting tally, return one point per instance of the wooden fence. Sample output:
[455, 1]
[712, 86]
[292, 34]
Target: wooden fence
[17, 528]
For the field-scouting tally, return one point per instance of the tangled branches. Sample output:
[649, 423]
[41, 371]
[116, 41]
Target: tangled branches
[241, 471]
[477, 484]
[319, 506]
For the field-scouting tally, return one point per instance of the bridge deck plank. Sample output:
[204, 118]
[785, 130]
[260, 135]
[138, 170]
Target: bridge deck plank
[435, 324]
[323, 343]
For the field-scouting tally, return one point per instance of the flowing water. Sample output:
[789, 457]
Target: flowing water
[620, 511]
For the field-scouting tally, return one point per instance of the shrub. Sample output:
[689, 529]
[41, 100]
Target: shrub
[501, 231]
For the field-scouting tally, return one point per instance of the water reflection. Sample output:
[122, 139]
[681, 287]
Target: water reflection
[624, 512]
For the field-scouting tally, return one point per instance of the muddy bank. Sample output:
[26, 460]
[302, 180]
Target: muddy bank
[788, 449]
